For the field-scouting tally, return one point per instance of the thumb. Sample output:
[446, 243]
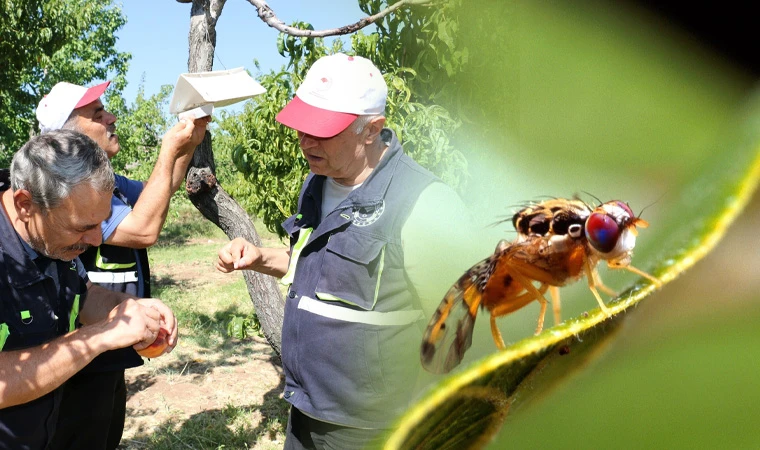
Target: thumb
[241, 262]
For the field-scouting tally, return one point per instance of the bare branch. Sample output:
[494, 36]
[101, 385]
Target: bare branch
[215, 10]
[270, 18]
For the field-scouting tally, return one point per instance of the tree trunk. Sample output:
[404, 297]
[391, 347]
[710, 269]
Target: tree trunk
[210, 198]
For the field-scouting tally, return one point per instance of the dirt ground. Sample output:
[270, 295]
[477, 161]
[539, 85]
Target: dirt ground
[193, 387]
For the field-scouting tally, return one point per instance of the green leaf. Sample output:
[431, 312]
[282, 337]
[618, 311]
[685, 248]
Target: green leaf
[570, 137]
[467, 408]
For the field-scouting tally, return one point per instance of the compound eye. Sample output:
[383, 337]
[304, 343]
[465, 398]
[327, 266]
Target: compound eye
[602, 231]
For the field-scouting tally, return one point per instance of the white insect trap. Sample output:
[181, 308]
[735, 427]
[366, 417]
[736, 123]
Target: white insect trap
[197, 94]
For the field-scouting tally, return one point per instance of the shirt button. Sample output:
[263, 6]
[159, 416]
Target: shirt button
[288, 394]
[292, 294]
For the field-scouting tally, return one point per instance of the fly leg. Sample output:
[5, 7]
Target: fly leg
[641, 273]
[592, 286]
[602, 287]
[556, 307]
[513, 305]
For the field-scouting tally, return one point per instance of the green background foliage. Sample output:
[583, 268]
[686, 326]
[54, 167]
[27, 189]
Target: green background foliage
[140, 126]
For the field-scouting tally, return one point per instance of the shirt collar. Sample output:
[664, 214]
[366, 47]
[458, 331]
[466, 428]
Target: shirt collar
[29, 250]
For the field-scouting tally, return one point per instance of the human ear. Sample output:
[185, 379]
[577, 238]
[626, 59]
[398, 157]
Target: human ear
[25, 206]
[375, 126]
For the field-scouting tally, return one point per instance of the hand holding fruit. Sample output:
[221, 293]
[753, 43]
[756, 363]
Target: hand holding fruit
[158, 346]
[166, 338]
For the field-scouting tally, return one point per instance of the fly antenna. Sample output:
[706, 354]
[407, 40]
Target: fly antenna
[651, 204]
[599, 201]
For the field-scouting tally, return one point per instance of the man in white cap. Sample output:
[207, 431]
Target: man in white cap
[97, 395]
[356, 303]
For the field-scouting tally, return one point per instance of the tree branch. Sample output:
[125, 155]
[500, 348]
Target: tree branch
[270, 18]
[215, 10]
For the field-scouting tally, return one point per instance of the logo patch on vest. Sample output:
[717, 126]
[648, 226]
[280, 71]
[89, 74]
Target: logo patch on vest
[368, 215]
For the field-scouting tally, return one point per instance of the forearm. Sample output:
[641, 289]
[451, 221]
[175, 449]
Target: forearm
[100, 301]
[31, 373]
[179, 171]
[274, 262]
[142, 226]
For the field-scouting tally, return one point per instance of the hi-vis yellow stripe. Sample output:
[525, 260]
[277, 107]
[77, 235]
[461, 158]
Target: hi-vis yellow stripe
[74, 314]
[303, 236]
[111, 266]
[4, 333]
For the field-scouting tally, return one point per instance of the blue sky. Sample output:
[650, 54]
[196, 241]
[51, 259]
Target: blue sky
[156, 36]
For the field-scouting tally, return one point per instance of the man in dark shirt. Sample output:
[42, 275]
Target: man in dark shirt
[53, 201]
[98, 394]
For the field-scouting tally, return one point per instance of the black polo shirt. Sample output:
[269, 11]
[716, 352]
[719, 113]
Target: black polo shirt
[40, 300]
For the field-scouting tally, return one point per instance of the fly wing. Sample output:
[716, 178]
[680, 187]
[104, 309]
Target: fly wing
[449, 332]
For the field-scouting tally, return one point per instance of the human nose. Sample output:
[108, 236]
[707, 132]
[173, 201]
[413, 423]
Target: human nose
[110, 118]
[93, 237]
[307, 140]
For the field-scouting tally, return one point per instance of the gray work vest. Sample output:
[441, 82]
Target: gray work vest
[352, 328]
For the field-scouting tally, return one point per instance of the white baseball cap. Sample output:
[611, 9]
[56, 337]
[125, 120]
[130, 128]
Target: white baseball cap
[57, 105]
[336, 90]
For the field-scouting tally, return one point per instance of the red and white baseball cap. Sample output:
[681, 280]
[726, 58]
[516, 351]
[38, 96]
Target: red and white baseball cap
[336, 90]
[64, 98]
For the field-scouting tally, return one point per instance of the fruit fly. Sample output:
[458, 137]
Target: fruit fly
[559, 241]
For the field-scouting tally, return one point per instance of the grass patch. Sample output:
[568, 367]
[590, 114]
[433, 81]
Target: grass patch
[218, 388]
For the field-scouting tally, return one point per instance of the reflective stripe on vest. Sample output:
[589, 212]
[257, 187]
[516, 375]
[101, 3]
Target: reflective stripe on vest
[74, 314]
[111, 266]
[112, 277]
[4, 332]
[393, 318]
[303, 236]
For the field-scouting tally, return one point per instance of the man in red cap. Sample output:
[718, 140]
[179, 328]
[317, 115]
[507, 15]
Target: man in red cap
[94, 402]
[357, 298]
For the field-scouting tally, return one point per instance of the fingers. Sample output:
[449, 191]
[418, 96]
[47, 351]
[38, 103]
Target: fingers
[185, 135]
[225, 263]
[238, 254]
[167, 320]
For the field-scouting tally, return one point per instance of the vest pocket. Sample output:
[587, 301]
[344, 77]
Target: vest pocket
[20, 333]
[352, 270]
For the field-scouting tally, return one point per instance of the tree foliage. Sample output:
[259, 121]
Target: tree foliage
[43, 42]
[413, 48]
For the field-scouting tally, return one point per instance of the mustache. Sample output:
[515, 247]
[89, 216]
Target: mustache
[77, 247]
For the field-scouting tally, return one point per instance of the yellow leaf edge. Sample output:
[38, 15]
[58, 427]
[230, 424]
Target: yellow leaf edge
[534, 344]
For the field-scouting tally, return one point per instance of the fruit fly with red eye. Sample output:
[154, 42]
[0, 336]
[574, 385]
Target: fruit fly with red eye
[559, 241]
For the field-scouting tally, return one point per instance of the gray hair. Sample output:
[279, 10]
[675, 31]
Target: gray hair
[358, 125]
[72, 123]
[50, 165]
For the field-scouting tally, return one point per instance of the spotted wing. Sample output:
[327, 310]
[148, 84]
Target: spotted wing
[449, 332]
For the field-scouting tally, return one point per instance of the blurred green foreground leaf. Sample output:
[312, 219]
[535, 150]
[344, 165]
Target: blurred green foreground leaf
[706, 189]
[466, 409]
